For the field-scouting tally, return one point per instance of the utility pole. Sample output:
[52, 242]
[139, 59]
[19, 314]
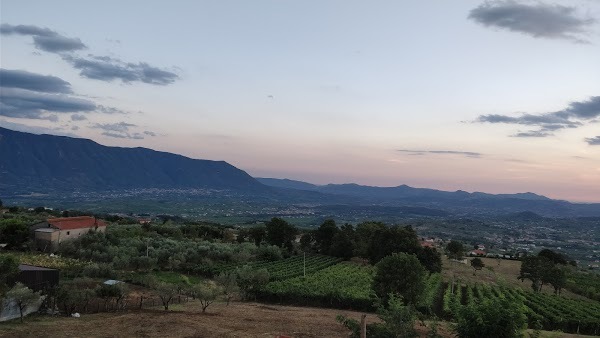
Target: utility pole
[304, 264]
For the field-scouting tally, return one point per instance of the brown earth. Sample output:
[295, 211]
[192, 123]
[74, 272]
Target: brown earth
[187, 320]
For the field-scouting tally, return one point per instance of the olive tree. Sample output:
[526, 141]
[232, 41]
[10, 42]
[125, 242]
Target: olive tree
[23, 297]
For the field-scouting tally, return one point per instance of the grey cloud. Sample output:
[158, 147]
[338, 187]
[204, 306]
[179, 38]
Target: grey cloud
[576, 114]
[593, 141]
[110, 110]
[33, 96]
[532, 133]
[32, 81]
[120, 127]
[74, 128]
[78, 117]
[34, 129]
[19, 103]
[538, 20]
[149, 133]
[57, 44]
[118, 130]
[105, 68]
[44, 38]
[441, 152]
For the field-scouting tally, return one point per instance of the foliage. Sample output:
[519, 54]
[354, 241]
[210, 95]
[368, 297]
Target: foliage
[400, 274]
[324, 236]
[343, 285]
[554, 257]
[14, 233]
[23, 297]
[398, 320]
[477, 264]
[165, 292]
[280, 233]
[206, 293]
[9, 269]
[535, 268]
[585, 284]
[455, 250]
[251, 280]
[431, 259]
[501, 318]
[387, 240]
[229, 285]
[269, 253]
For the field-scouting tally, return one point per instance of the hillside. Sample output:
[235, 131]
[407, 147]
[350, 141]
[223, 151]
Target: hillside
[44, 163]
[453, 201]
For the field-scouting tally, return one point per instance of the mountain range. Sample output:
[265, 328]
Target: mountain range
[53, 166]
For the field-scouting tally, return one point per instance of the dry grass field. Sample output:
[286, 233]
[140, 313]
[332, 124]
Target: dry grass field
[187, 320]
[496, 272]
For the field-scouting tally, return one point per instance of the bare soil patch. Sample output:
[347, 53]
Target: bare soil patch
[187, 320]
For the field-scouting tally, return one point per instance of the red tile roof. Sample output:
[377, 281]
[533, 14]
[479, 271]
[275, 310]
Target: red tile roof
[70, 223]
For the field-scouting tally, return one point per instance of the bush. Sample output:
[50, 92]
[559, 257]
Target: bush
[496, 317]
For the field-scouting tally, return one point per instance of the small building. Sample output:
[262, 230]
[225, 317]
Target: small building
[477, 252]
[52, 232]
[36, 277]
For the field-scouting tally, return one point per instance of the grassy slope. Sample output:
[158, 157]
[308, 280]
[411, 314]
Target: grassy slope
[496, 272]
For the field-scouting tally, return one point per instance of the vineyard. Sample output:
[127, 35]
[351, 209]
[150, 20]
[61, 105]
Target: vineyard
[291, 267]
[548, 312]
[342, 285]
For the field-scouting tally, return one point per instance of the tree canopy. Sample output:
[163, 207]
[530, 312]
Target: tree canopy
[401, 274]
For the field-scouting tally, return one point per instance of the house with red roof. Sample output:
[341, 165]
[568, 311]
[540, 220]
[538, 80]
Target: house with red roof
[50, 233]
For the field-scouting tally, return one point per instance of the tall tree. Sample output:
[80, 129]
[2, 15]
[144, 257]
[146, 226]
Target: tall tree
[280, 233]
[455, 250]
[9, 270]
[324, 235]
[534, 268]
[388, 240]
[400, 274]
[257, 234]
[14, 233]
[431, 259]
[555, 257]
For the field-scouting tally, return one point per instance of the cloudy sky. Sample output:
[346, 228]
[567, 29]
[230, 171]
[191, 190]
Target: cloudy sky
[494, 96]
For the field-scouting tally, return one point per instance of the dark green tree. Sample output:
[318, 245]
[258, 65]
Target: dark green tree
[393, 239]
[431, 259]
[324, 235]
[556, 277]
[495, 317]
[535, 268]
[554, 257]
[401, 274]
[9, 270]
[364, 237]
[257, 234]
[250, 280]
[455, 250]
[307, 241]
[280, 233]
[477, 264]
[14, 233]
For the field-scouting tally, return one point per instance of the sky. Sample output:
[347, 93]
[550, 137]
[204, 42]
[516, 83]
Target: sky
[492, 96]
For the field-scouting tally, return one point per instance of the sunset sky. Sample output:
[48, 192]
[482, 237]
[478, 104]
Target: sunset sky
[493, 96]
